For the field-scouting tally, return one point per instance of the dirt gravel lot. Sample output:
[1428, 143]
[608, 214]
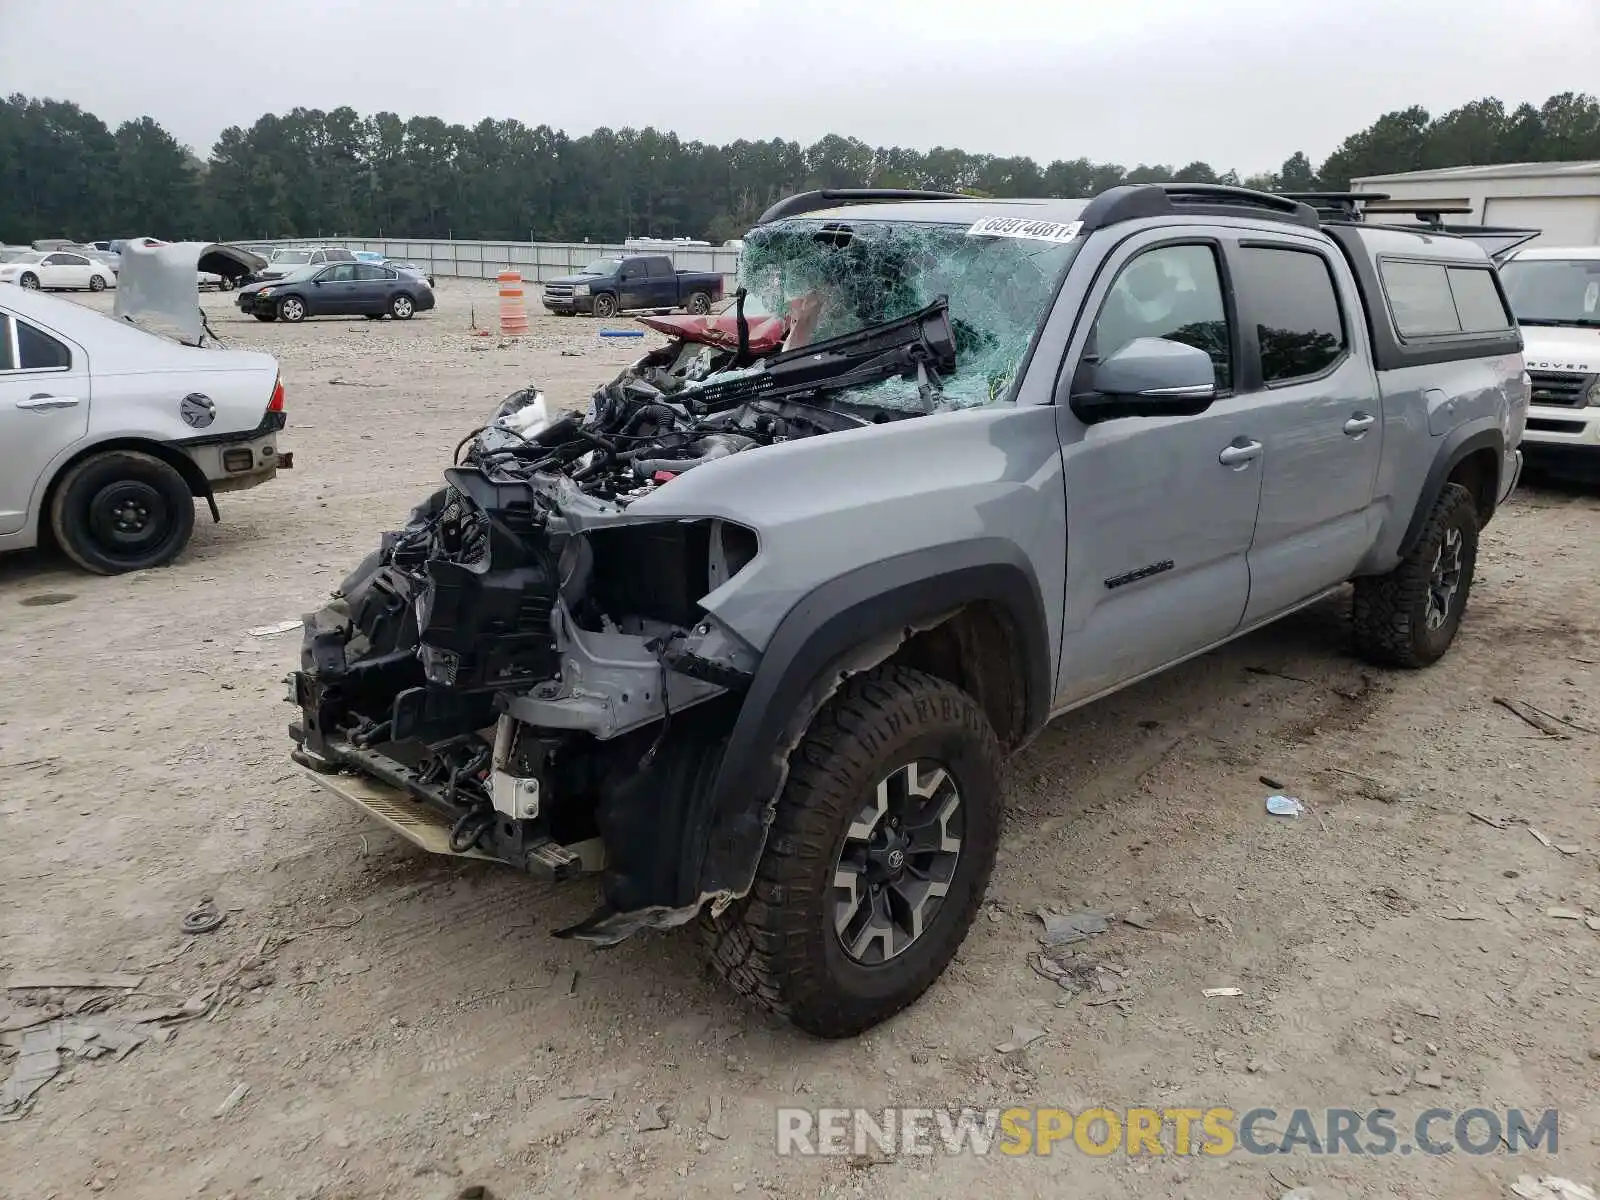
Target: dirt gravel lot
[406, 1027]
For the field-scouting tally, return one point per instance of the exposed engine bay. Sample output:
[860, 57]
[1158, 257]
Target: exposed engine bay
[525, 666]
[533, 666]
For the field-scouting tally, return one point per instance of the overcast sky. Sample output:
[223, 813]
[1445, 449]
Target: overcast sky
[1238, 83]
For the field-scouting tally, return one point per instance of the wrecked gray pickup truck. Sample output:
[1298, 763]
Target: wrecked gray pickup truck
[750, 637]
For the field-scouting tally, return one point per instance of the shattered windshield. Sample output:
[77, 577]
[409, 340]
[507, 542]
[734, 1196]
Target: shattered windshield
[830, 278]
[1554, 291]
[602, 266]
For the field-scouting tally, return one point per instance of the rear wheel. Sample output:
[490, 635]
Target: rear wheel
[292, 308]
[605, 305]
[122, 511]
[97, 283]
[1409, 617]
[877, 859]
[698, 303]
[401, 307]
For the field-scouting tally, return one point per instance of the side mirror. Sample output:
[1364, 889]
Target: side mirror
[1149, 377]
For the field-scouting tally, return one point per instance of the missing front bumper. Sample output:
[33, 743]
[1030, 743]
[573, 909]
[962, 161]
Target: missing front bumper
[391, 806]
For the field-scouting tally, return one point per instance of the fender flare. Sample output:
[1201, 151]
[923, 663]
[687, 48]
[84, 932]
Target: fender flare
[845, 626]
[1458, 444]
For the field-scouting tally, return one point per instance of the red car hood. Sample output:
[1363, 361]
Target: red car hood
[721, 331]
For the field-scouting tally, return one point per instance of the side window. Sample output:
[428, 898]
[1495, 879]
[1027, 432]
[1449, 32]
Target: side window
[318, 257]
[73, 260]
[55, 260]
[343, 273]
[1420, 298]
[386, 273]
[631, 268]
[7, 363]
[1478, 302]
[1301, 329]
[661, 268]
[366, 271]
[1172, 292]
[38, 351]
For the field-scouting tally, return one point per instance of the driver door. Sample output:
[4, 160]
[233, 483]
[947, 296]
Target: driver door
[1160, 510]
[633, 284]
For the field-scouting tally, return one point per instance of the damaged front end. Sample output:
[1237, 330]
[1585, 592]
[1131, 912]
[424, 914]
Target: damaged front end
[529, 670]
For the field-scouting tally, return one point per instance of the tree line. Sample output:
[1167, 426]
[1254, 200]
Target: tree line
[65, 173]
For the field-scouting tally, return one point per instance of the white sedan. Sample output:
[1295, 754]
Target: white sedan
[57, 270]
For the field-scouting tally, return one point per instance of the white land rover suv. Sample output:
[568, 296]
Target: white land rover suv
[1555, 294]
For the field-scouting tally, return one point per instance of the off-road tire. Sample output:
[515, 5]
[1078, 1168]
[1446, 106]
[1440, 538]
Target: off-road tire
[81, 515]
[292, 309]
[97, 283]
[778, 945]
[605, 305]
[1389, 612]
[698, 303]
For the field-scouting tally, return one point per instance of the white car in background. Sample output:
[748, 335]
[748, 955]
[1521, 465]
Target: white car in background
[57, 270]
[109, 433]
[1555, 295]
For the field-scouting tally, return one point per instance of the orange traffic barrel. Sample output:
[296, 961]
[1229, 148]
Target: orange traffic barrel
[513, 310]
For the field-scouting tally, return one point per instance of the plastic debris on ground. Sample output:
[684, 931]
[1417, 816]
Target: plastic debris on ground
[1284, 806]
[1550, 1187]
[1218, 993]
[1022, 1036]
[1062, 929]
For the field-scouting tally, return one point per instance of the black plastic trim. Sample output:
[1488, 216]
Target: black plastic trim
[1135, 202]
[814, 641]
[1457, 446]
[271, 422]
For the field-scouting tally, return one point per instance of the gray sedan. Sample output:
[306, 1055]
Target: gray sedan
[339, 289]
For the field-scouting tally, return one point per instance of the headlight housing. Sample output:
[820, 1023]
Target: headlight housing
[581, 290]
[1594, 392]
[265, 292]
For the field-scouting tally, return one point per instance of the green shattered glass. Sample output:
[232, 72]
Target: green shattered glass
[867, 272]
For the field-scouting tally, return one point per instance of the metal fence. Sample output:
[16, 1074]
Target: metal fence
[538, 261]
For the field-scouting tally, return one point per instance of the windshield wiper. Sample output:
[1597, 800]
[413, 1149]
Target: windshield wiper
[1582, 322]
[923, 340]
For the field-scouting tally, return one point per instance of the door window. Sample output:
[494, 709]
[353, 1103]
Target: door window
[1300, 327]
[367, 273]
[1171, 292]
[38, 351]
[7, 361]
[319, 257]
[661, 268]
[343, 273]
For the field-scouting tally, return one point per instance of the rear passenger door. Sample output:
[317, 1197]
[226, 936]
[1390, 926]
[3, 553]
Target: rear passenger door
[372, 287]
[1160, 510]
[337, 290]
[1320, 419]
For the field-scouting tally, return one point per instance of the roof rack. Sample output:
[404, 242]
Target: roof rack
[1131, 202]
[805, 202]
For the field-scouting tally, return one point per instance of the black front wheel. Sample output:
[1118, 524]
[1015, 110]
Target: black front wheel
[292, 309]
[877, 859]
[122, 511]
[605, 305]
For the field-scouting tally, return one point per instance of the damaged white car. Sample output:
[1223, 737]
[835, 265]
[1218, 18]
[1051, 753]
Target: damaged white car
[110, 430]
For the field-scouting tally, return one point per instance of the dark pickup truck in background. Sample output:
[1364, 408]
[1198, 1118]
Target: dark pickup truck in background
[608, 285]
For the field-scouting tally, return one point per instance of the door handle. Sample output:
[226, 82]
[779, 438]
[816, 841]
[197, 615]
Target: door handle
[1359, 424]
[44, 400]
[1239, 455]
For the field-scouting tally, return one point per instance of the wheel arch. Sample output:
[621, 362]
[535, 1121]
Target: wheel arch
[942, 610]
[1471, 456]
[199, 486]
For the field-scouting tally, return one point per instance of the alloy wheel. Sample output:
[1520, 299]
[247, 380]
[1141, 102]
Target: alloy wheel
[898, 858]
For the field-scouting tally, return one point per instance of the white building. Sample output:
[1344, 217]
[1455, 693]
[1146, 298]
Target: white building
[1560, 198]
